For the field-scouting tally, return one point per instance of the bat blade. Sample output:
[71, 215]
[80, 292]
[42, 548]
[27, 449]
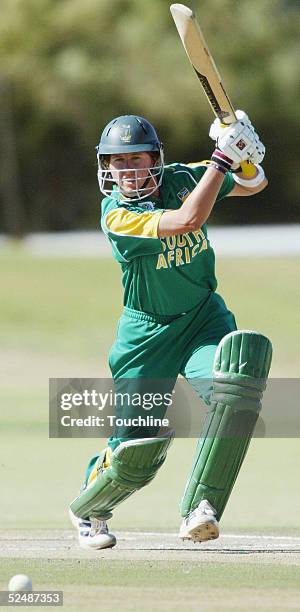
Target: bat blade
[202, 62]
[205, 68]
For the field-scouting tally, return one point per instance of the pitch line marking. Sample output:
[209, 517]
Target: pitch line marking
[133, 534]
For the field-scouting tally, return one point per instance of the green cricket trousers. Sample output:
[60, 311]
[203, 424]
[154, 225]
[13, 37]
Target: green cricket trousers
[150, 352]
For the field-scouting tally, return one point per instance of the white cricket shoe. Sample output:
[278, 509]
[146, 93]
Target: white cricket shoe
[201, 524]
[92, 533]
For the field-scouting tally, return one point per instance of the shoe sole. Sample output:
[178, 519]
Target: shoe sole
[202, 533]
[90, 547]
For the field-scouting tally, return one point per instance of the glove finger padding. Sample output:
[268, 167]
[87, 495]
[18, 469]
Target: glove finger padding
[243, 117]
[240, 143]
[259, 153]
[215, 129]
[217, 126]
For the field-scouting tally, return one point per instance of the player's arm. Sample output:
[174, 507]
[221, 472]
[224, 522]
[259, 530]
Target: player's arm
[196, 208]
[132, 234]
[236, 143]
[198, 205]
[246, 187]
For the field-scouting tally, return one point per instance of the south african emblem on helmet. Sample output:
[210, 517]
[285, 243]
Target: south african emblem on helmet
[126, 136]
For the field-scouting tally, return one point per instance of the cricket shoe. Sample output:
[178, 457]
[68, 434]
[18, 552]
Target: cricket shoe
[201, 524]
[92, 533]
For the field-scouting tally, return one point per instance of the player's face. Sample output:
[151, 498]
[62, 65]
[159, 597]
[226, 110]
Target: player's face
[131, 170]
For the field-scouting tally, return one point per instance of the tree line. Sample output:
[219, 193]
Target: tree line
[67, 67]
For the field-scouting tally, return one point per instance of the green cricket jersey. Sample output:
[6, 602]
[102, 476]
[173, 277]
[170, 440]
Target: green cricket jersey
[163, 276]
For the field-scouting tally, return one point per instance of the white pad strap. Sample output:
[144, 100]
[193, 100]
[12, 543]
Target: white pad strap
[253, 182]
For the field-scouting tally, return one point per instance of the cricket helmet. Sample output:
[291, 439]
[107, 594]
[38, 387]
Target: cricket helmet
[129, 134]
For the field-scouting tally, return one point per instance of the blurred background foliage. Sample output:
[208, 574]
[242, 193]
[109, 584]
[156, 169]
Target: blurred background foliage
[68, 66]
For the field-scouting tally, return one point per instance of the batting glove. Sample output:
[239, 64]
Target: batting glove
[240, 143]
[217, 127]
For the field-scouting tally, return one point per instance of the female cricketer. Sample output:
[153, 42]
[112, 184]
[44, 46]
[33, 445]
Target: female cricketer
[174, 323]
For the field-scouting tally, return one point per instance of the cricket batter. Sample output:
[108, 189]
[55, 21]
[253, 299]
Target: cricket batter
[174, 322]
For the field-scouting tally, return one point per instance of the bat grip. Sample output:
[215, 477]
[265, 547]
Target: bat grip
[248, 169]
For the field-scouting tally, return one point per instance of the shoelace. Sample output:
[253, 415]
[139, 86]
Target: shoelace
[205, 509]
[98, 526]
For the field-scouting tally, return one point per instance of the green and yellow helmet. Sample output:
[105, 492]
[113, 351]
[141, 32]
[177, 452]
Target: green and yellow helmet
[129, 134]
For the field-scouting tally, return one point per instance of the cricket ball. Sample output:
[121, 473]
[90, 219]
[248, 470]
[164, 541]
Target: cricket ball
[20, 582]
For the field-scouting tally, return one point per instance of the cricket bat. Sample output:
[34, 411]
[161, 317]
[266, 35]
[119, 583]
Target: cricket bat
[205, 69]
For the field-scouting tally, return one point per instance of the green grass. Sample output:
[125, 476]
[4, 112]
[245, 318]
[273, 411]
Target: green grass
[37, 473]
[58, 305]
[264, 295]
[58, 318]
[172, 585]
[69, 306]
[56, 573]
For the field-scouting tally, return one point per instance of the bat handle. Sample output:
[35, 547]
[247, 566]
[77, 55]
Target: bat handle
[248, 169]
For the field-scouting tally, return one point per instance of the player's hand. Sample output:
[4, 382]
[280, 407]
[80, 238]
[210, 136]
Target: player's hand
[238, 141]
[217, 126]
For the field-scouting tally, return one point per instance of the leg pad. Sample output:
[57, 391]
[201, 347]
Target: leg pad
[133, 465]
[241, 367]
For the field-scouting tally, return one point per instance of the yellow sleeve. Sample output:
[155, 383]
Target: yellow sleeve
[132, 234]
[128, 223]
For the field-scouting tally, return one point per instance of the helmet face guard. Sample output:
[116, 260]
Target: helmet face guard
[129, 134]
[112, 184]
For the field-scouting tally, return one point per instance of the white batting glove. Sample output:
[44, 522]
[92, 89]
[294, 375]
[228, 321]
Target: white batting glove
[238, 141]
[217, 127]
[242, 116]
[259, 153]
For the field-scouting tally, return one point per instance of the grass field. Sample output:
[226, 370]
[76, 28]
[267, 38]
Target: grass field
[57, 319]
[176, 585]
